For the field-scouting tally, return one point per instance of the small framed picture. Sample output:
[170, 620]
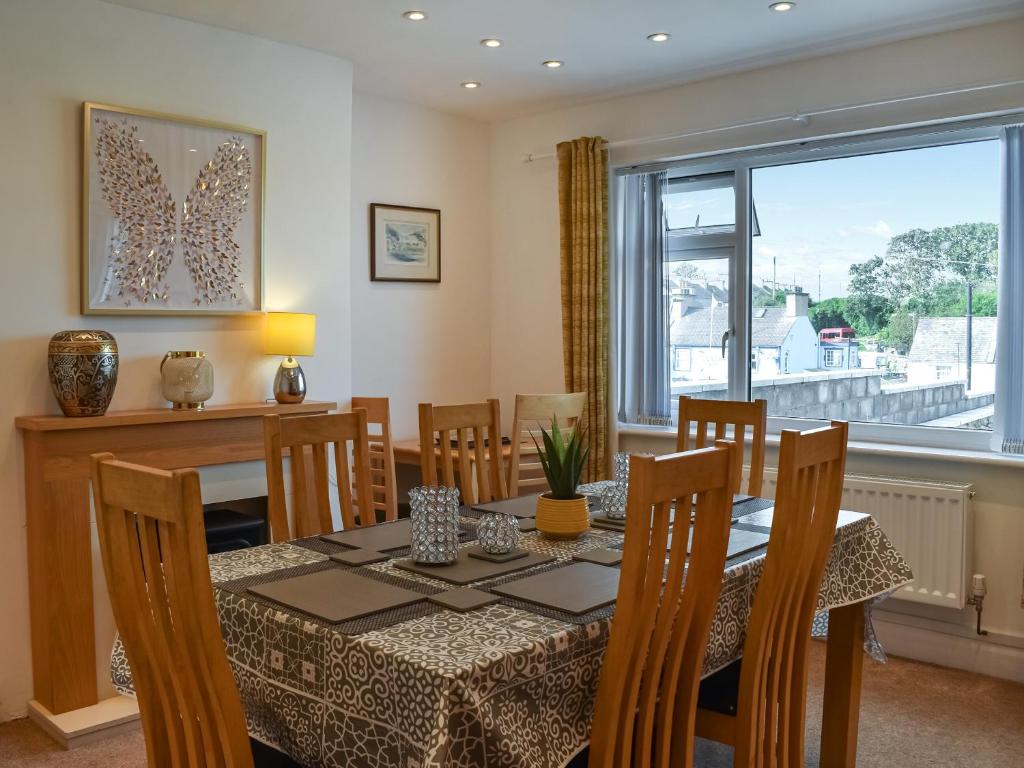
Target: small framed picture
[405, 244]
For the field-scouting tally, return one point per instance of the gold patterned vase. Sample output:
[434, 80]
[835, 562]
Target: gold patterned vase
[83, 371]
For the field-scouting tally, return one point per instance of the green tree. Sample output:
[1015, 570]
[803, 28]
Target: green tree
[899, 331]
[830, 313]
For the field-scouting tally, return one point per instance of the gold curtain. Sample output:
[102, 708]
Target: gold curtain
[583, 219]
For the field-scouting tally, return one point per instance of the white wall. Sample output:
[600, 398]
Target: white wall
[525, 274]
[55, 54]
[422, 342]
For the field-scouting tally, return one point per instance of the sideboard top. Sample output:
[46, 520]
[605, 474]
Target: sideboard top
[166, 415]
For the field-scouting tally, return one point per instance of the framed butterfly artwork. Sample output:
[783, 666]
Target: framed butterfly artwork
[172, 220]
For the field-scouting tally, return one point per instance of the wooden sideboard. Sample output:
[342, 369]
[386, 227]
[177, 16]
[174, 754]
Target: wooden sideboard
[57, 499]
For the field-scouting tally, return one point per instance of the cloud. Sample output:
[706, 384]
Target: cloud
[880, 228]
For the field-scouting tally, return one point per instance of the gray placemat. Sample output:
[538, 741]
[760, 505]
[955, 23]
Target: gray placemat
[467, 532]
[358, 626]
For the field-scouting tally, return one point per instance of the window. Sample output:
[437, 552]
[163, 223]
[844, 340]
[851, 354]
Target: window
[681, 362]
[886, 247]
[866, 274]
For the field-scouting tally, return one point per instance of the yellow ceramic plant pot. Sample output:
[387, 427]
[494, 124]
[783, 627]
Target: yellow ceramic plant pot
[562, 518]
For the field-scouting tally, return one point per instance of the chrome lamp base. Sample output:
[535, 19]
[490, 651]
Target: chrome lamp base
[290, 382]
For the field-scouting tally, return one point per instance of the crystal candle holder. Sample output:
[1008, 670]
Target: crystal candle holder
[435, 524]
[498, 533]
[613, 500]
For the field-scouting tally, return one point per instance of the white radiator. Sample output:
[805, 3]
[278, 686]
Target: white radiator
[931, 523]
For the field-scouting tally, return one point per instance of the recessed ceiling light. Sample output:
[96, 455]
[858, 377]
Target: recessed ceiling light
[782, 7]
[470, 84]
[414, 15]
[553, 63]
[659, 37]
[491, 42]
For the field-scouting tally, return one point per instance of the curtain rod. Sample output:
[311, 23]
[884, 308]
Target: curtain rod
[801, 118]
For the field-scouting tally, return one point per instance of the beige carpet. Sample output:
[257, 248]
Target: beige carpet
[912, 716]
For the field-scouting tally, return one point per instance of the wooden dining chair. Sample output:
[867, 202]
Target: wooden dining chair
[153, 546]
[724, 414]
[481, 477]
[757, 704]
[533, 412]
[647, 693]
[306, 438]
[381, 455]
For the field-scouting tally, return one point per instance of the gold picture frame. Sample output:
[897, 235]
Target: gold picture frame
[252, 262]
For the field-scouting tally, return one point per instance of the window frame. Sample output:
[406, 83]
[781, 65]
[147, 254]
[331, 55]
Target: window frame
[741, 163]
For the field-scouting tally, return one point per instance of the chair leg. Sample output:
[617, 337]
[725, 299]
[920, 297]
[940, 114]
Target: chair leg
[716, 727]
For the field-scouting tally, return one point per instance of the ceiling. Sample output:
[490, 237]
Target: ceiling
[603, 42]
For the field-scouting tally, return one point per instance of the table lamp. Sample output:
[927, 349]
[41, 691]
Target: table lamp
[290, 334]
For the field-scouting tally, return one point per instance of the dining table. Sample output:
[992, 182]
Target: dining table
[510, 684]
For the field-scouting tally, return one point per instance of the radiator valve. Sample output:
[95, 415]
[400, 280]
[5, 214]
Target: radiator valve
[977, 599]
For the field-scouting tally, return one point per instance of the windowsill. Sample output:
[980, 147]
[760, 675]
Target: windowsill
[954, 455]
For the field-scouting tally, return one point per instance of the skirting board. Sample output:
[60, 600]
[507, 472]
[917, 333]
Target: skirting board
[971, 654]
[110, 717]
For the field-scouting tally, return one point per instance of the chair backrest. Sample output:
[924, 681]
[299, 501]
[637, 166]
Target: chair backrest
[306, 438]
[723, 414]
[153, 546]
[647, 695]
[773, 677]
[533, 412]
[482, 421]
[382, 454]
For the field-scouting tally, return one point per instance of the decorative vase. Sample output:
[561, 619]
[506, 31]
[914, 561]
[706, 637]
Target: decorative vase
[83, 371]
[186, 380]
[434, 512]
[613, 500]
[562, 518]
[613, 495]
[498, 533]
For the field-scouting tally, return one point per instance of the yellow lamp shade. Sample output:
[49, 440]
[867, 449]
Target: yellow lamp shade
[290, 333]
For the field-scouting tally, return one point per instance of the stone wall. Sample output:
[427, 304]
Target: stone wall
[852, 395]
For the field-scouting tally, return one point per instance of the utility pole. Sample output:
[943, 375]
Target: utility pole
[819, 286]
[775, 282]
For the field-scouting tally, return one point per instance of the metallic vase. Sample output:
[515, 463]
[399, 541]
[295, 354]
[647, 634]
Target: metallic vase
[613, 495]
[290, 382]
[498, 533]
[435, 524]
[83, 371]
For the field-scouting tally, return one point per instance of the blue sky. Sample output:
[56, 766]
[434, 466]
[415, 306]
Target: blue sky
[830, 214]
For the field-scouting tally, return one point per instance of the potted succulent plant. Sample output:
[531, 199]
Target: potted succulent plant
[562, 513]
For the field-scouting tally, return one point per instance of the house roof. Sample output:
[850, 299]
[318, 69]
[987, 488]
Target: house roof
[943, 340]
[704, 327]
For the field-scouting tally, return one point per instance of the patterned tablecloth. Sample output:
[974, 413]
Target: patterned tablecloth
[499, 686]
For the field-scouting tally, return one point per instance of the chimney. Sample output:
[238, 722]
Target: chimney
[796, 304]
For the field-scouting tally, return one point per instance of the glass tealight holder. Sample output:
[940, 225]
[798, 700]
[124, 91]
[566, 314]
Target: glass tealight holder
[498, 533]
[434, 512]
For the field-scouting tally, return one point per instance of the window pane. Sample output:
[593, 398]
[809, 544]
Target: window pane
[695, 206]
[861, 279]
[698, 301]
